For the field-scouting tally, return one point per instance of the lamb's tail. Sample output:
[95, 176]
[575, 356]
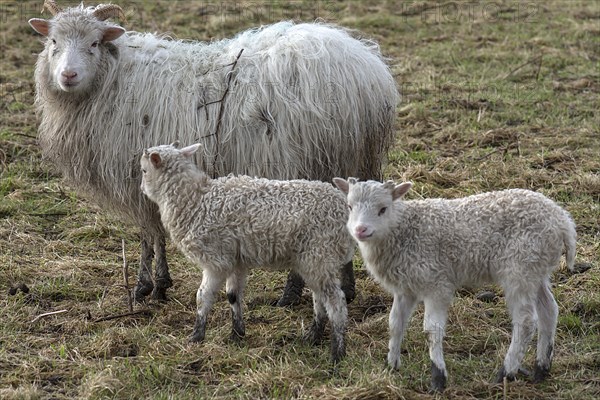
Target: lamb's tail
[570, 240]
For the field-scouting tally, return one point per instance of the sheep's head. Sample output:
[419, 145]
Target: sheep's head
[370, 204]
[159, 161]
[76, 41]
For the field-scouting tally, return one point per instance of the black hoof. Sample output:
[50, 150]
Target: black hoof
[141, 291]
[160, 294]
[438, 379]
[292, 294]
[502, 374]
[540, 373]
[350, 293]
[196, 338]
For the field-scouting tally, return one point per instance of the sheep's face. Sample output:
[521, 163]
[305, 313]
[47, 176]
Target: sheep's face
[160, 161]
[370, 204]
[75, 44]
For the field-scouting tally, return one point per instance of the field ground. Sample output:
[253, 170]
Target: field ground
[496, 94]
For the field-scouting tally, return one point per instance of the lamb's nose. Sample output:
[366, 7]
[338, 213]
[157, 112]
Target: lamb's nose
[361, 229]
[69, 74]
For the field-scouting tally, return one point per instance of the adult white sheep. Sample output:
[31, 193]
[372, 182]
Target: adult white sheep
[284, 101]
[234, 223]
[424, 250]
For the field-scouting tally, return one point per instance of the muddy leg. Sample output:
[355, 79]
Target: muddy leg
[161, 273]
[293, 290]
[348, 282]
[144, 284]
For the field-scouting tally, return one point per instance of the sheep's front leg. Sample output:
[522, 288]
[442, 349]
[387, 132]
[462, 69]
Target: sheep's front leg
[144, 284]
[436, 315]
[402, 309]
[205, 298]
[162, 277]
[235, 285]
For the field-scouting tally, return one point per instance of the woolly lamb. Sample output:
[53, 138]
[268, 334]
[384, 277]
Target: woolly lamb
[231, 224]
[283, 101]
[425, 250]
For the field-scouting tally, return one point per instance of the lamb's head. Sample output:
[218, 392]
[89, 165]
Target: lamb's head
[371, 206]
[77, 40]
[161, 162]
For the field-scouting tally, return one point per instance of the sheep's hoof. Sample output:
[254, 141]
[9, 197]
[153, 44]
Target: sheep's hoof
[540, 373]
[502, 374]
[438, 379]
[160, 294]
[237, 337]
[142, 290]
[196, 337]
[314, 336]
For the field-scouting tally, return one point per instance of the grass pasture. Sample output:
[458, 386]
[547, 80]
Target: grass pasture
[496, 94]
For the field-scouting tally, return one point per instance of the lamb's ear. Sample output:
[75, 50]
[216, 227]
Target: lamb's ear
[341, 184]
[190, 150]
[111, 33]
[400, 190]
[156, 160]
[41, 26]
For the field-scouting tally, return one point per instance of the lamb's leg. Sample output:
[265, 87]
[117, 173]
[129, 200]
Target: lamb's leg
[348, 282]
[293, 290]
[434, 323]
[161, 273]
[144, 284]
[520, 302]
[235, 292]
[205, 298]
[335, 304]
[547, 312]
[402, 309]
[314, 335]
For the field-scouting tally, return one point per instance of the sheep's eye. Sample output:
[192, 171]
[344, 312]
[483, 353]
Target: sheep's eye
[53, 41]
[143, 171]
[95, 44]
[382, 211]
[349, 207]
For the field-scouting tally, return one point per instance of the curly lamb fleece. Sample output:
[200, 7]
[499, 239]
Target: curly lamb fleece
[424, 250]
[230, 224]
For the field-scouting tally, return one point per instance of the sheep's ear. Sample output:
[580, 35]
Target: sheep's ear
[41, 26]
[155, 160]
[111, 33]
[190, 150]
[400, 190]
[341, 184]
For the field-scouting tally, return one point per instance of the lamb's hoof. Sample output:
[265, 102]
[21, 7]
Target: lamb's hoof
[337, 356]
[540, 373]
[142, 290]
[160, 294]
[502, 374]
[237, 337]
[438, 379]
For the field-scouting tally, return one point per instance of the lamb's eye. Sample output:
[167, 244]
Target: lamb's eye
[53, 41]
[349, 207]
[382, 211]
[143, 171]
[95, 44]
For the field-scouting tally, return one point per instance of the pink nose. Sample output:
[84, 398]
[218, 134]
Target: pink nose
[69, 74]
[361, 229]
